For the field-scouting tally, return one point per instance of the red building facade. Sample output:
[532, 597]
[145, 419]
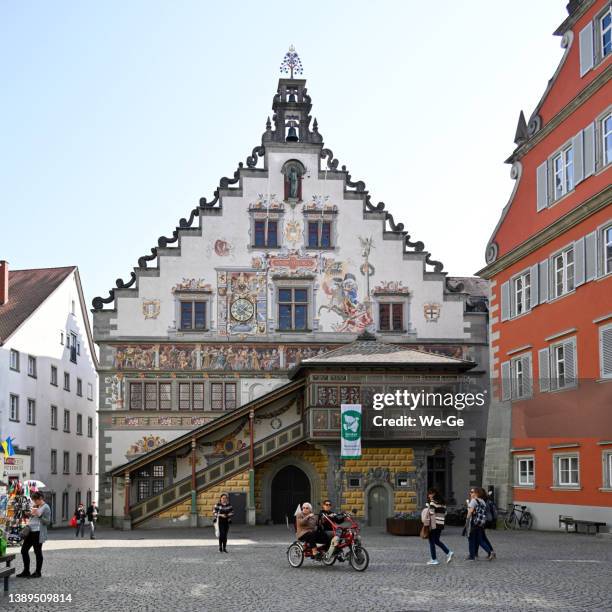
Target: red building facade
[550, 265]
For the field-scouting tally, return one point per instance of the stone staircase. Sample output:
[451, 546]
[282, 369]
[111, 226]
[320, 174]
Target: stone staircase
[218, 472]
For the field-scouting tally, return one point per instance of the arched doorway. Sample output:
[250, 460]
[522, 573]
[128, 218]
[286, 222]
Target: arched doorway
[290, 487]
[378, 506]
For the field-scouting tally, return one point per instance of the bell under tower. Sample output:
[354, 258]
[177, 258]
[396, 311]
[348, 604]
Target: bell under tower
[291, 107]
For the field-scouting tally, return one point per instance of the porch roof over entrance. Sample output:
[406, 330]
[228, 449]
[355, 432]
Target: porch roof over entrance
[367, 351]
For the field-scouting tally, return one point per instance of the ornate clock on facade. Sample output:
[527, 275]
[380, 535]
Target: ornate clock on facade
[242, 310]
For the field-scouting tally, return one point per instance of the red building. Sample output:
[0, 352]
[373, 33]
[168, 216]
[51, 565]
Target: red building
[550, 265]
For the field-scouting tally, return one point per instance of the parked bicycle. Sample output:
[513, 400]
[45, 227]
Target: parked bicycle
[518, 517]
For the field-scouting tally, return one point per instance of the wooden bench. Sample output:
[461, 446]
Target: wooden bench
[7, 571]
[588, 525]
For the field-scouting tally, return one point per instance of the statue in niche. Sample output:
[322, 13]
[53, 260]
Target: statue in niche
[294, 177]
[293, 171]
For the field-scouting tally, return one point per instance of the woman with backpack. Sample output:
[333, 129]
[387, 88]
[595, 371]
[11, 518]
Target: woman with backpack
[491, 520]
[436, 510]
[476, 520]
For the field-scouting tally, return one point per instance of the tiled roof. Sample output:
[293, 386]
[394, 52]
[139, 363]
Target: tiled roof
[374, 351]
[473, 285]
[28, 289]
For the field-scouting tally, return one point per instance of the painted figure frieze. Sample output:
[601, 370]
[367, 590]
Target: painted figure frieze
[206, 357]
[192, 284]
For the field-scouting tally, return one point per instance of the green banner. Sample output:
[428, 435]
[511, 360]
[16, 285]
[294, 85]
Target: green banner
[350, 431]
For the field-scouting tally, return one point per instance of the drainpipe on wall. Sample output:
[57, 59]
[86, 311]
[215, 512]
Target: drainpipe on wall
[127, 519]
[194, 494]
[251, 496]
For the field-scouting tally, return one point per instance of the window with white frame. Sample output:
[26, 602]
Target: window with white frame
[525, 471]
[293, 304]
[606, 139]
[66, 381]
[520, 371]
[32, 459]
[89, 427]
[31, 366]
[14, 407]
[79, 389]
[31, 412]
[79, 425]
[191, 396]
[53, 461]
[14, 362]
[193, 314]
[607, 469]
[223, 396]
[66, 463]
[67, 421]
[391, 316]
[90, 464]
[53, 417]
[606, 242]
[563, 172]
[65, 506]
[563, 272]
[605, 32]
[319, 233]
[567, 470]
[522, 293]
[79, 464]
[605, 351]
[53, 379]
[90, 392]
[265, 232]
[562, 366]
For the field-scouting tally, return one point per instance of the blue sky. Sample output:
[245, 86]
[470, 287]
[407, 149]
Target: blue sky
[118, 116]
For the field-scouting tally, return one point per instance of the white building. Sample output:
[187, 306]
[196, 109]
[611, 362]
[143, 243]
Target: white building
[48, 381]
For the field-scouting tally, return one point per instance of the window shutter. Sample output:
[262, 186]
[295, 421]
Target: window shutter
[605, 351]
[590, 244]
[513, 380]
[569, 354]
[505, 301]
[578, 157]
[543, 282]
[589, 150]
[534, 282]
[528, 376]
[544, 370]
[586, 49]
[542, 187]
[579, 271]
[512, 298]
[505, 380]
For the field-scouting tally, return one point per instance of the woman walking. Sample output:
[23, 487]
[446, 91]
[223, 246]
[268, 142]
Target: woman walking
[40, 517]
[437, 511]
[80, 515]
[475, 522]
[223, 513]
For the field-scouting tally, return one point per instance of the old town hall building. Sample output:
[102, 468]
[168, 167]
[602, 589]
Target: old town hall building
[226, 356]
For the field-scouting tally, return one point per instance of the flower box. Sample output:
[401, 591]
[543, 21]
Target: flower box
[404, 526]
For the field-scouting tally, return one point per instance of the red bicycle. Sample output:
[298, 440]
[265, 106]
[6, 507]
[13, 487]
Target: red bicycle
[348, 548]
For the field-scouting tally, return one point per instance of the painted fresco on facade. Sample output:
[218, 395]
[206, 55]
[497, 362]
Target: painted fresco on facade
[221, 357]
[144, 445]
[242, 302]
[391, 287]
[192, 284]
[341, 289]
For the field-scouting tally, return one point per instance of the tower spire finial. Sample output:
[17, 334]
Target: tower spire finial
[291, 63]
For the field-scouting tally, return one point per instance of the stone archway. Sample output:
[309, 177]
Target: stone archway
[289, 488]
[273, 470]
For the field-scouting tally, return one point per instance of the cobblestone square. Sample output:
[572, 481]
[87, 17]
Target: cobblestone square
[182, 570]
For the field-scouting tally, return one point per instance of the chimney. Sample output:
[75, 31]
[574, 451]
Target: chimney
[4, 282]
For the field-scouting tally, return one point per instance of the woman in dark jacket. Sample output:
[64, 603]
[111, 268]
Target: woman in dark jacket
[223, 513]
[80, 514]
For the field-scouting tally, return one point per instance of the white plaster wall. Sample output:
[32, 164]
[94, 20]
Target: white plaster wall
[198, 259]
[39, 336]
